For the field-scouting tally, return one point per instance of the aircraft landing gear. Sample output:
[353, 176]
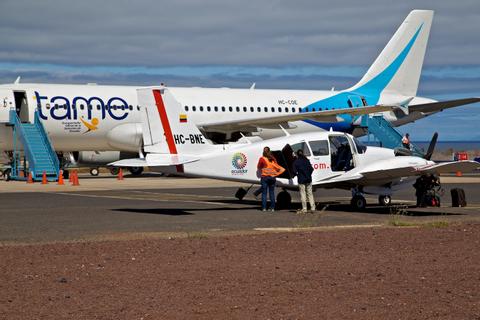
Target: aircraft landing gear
[114, 170]
[94, 172]
[6, 175]
[136, 171]
[385, 200]
[358, 201]
[284, 200]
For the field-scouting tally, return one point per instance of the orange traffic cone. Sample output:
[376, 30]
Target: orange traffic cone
[44, 178]
[70, 177]
[120, 174]
[458, 174]
[60, 178]
[30, 178]
[75, 179]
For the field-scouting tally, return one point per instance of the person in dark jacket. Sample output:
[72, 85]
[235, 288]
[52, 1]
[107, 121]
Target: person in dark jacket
[303, 169]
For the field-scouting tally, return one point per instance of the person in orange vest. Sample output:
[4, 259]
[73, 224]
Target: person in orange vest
[269, 169]
[406, 141]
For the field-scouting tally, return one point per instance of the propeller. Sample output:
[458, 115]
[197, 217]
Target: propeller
[431, 147]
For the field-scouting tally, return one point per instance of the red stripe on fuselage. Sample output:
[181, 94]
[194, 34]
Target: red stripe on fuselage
[166, 125]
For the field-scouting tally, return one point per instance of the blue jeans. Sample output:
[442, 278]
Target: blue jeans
[268, 184]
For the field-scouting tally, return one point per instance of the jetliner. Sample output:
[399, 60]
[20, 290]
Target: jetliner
[85, 121]
[339, 160]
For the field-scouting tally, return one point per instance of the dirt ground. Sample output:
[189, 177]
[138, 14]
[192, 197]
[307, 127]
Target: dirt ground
[372, 273]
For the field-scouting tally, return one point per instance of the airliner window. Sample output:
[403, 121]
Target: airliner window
[186, 108]
[129, 107]
[273, 109]
[286, 109]
[138, 108]
[319, 147]
[279, 109]
[209, 109]
[194, 108]
[252, 109]
[82, 107]
[216, 109]
[301, 146]
[361, 148]
[238, 109]
[230, 109]
[201, 108]
[265, 109]
[223, 109]
[244, 109]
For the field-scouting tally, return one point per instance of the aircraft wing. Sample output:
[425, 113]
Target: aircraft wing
[321, 116]
[441, 105]
[383, 176]
[155, 160]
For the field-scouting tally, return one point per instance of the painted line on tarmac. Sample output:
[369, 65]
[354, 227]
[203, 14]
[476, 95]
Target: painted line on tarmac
[133, 198]
[348, 226]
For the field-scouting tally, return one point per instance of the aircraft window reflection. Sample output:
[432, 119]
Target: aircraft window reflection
[361, 148]
[301, 146]
[319, 147]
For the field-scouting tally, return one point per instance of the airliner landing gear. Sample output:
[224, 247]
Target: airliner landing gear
[94, 172]
[136, 171]
[358, 201]
[114, 170]
[284, 200]
[384, 201]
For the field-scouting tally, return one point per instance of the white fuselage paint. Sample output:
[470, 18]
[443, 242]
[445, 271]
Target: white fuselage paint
[119, 122]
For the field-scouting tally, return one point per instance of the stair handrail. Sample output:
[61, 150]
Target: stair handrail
[47, 141]
[15, 121]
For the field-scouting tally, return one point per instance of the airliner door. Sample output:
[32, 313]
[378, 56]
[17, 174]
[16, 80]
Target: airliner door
[21, 105]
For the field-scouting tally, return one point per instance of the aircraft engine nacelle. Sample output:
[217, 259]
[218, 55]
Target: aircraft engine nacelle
[126, 136]
[98, 158]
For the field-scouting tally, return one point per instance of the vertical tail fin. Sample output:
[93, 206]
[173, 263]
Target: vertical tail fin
[165, 126]
[397, 69]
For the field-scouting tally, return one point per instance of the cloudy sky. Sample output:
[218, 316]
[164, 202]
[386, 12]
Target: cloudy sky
[275, 43]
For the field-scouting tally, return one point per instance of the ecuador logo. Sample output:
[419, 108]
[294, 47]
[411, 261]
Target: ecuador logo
[239, 162]
[91, 126]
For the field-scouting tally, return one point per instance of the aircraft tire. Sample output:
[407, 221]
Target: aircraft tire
[385, 200]
[284, 200]
[114, 170]
[136, 171]
[6, 175]
[358, 203]
[94, 172]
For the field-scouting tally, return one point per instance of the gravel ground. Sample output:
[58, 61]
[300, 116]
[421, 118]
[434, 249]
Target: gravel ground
[374, 273]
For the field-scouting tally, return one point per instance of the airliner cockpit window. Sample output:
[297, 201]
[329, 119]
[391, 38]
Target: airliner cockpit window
[303, 146]
[319, 147]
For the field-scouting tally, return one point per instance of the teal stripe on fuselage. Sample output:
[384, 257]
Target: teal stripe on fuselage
[370, 91]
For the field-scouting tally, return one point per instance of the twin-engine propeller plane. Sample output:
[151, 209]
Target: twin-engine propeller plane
[174, 145]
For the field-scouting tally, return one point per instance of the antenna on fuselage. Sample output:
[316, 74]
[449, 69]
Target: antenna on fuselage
[17, 81]
[252, 87]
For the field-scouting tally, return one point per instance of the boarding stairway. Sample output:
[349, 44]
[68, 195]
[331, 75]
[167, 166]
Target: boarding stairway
[388, 137]
[39, 155]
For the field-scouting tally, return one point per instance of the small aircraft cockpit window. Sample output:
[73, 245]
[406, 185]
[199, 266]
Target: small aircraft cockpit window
[303, 146]
[341, 154]
[361, 148]
[319, 147]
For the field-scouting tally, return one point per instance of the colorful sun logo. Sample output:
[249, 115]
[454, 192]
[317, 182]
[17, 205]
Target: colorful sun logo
[239, 160]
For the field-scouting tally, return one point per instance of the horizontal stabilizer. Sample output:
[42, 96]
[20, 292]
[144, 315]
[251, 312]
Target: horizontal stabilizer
[155, 160]
[441, 105]
[452, 167]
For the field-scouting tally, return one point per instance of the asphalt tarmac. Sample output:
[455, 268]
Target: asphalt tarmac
[104, 208]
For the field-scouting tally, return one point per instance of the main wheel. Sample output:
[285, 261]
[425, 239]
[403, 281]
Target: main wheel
[94, 172]
[358, 203]
[114, 170]
[385, 200]
[136, 171]
[284, 200]
[6, 175]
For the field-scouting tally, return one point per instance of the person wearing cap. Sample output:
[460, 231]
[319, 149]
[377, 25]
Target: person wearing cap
[303, 169]
[406, 141]
[269, 169]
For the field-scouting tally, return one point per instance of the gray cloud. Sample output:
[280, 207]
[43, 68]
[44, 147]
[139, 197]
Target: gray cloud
[225, 32]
